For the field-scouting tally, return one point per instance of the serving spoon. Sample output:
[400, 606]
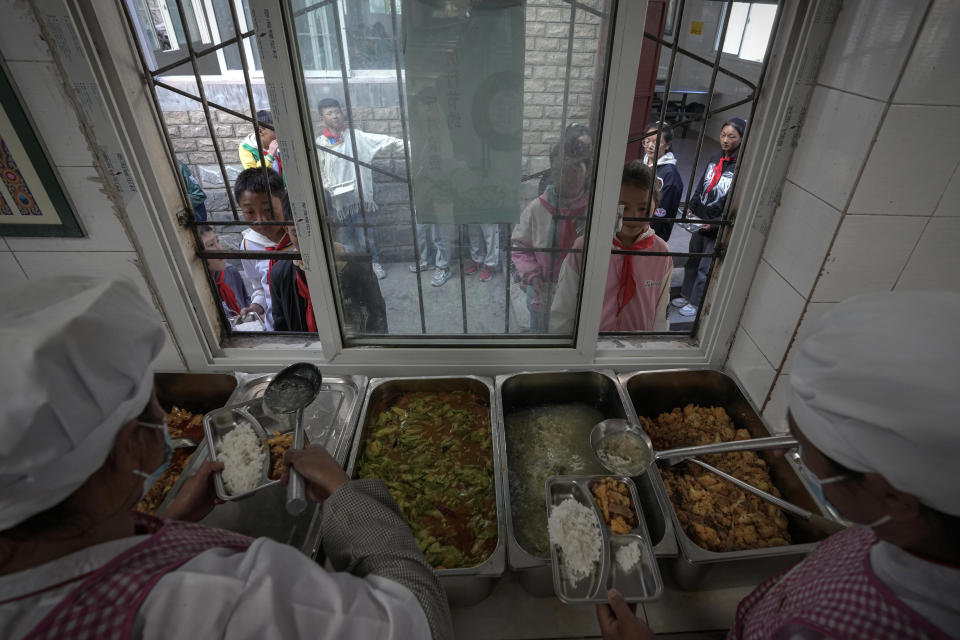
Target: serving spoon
[612, 426]
[290, 391]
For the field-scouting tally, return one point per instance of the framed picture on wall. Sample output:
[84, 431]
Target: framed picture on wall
[32, 202]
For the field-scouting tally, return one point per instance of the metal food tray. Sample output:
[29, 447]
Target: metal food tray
[641, 584]
[217, 424]
[598, 388]
[328, 420]
[469, 585]
[655, 392]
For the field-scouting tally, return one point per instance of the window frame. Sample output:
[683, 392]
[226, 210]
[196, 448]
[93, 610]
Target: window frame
[187, 305]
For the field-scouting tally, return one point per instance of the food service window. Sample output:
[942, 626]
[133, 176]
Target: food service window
[454, 148]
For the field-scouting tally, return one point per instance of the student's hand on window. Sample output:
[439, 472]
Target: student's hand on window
[256, 308]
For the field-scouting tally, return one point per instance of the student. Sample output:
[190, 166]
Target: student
[707, 204]
[230, 287]
[364, 311]
[553, 221]
[668, 179]
[251, 156]
[484, 250]
[339, 177]
[250, 190]
[874, 409]
[197, 197]
[638, 287]
[84, 438]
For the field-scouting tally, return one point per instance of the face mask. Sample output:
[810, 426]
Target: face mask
[150, 479]
[815, 485]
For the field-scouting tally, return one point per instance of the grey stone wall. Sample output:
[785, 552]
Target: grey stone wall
[375, 103]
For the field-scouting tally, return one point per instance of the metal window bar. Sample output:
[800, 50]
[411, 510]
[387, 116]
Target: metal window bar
[726, 221]
[152, 79]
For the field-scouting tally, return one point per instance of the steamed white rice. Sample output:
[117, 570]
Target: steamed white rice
[242, 458]
[574, 527]
[629, 555]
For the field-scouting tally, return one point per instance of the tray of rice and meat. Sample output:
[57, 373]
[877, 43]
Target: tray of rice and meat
[547, 418]
[435, 443]
[251, 443]
[599, 540]
[187, 396]
[727, 536]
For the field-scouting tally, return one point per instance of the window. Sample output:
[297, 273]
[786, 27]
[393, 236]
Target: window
[749, 29]
[561, 92]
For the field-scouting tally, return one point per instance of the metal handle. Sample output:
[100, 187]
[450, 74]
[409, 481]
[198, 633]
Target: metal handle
[753, 444]
[783, 504]
[296, 492]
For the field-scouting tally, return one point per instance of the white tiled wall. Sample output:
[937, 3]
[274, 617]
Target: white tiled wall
[872, 198]
[106, 249]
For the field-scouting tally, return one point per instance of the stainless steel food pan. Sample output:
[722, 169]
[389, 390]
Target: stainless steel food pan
[641, 583]
[329, 420]
[469, 585]
[654, 392]
[599, 389]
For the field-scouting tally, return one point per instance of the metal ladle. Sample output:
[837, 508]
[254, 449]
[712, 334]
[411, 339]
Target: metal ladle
[606, 428]
[291, 390]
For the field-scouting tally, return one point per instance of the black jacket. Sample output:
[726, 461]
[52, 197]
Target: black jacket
[671, 191]
[708, 205]
[363, 306]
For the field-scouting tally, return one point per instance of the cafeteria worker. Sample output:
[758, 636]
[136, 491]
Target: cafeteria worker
[874, 407]
[82, 438]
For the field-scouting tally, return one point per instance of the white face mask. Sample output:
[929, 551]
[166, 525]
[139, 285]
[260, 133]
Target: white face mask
[150, 479]
[816, 486]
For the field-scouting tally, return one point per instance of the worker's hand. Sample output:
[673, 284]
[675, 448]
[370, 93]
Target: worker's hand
[272, 147]
[321, 473]
[618, 620]
[256, 308]
[197, 496]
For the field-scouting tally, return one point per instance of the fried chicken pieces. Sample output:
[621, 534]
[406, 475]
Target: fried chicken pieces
[714, 513]
[278, 444]
[613, 498]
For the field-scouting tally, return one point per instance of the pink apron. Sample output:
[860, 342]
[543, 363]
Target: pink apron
[835, 592]
[105, 604]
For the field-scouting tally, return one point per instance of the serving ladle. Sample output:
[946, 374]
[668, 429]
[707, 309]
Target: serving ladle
[612, 426]
[292, 390]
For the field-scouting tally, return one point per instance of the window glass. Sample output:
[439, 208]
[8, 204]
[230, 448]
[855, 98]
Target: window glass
[758, 31]
[458, 182]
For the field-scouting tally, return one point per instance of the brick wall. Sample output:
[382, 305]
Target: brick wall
[376, 109]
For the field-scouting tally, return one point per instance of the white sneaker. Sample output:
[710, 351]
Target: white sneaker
[441, 276]
[378, 269]
[679, 302]
[688, 310]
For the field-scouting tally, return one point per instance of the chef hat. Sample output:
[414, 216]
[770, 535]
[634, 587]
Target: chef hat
[875, 387]
[77, 354]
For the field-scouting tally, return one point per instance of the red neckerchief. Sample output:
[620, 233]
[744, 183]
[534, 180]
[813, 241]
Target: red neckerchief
[226, 293]
[628, 286]
[334, 138]
[304, 293]
[718, 170]
[280, 246]
[564, 231]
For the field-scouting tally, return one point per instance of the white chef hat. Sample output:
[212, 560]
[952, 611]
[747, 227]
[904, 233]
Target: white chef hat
[876, 385]
[77, 354]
